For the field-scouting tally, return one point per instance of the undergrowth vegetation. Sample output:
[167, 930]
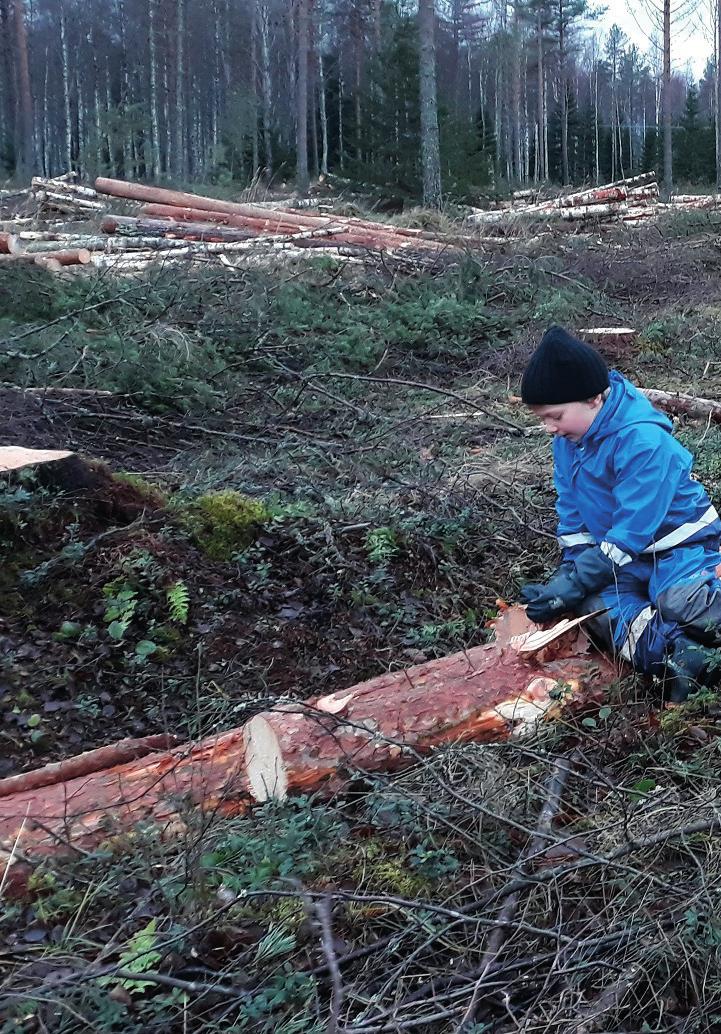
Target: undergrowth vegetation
[328, 481]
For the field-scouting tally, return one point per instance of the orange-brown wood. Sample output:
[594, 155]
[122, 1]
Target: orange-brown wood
[487, 693]
[87, 763]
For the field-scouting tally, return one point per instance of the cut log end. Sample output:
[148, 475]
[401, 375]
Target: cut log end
[265, 767]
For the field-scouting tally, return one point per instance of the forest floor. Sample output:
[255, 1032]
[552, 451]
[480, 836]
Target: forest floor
[336, 485]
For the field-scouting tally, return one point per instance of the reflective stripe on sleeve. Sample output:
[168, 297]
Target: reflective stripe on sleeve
[614, 553]
[685, 531]
[636, 629]
[580, 538]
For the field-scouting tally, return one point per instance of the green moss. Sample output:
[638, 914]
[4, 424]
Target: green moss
[151, 493]
[223, 523]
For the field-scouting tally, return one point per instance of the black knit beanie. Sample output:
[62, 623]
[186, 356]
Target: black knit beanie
[563, 369]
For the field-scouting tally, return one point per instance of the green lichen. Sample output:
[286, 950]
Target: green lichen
[224, 523]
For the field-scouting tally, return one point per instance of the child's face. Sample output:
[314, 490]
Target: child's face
[568, 419]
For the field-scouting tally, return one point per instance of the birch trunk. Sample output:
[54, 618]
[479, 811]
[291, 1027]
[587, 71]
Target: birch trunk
[66, 89]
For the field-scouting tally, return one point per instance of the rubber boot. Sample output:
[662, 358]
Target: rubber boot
[689, 667]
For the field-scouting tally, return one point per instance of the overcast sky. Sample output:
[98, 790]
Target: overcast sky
[691, 41]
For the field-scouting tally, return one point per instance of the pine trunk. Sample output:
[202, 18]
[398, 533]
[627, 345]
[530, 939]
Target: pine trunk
[266, 86]
[180, 119]
[25, 160]
[430, 142]
[301, 139]
[488, 693]
[667, 139]
[155, 167]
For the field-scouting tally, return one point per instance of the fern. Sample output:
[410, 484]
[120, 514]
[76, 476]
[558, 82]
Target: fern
[178, 597]
[140, 954]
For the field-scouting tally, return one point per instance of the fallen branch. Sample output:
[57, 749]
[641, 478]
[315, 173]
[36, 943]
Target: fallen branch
[553, 791]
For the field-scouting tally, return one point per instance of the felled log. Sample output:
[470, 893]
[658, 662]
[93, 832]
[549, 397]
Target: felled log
[483, 696]
[600, 195]
[487, 693]
[59, 186]
[678, 404]
[696, 200]
[70, 257]
[379, 235]
[7, 240]
[201, 231]
[68, 203]
[179, 199]
[578, 212]
[642, 179]
[642, 212]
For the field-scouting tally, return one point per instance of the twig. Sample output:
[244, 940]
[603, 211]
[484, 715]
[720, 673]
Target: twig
[322, 909]
[473, 405]
[554, 789]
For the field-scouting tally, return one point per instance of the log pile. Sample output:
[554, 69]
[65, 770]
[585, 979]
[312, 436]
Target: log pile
[168, 226]
[488, 693]
[631, 201]
[627, 200]
[62, 195]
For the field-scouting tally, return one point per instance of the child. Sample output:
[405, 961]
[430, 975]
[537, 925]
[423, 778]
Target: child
[638, 535]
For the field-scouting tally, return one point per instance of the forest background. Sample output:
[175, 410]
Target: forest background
[241, 91]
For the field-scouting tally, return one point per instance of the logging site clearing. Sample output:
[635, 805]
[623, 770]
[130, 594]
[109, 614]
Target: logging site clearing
[278, 751]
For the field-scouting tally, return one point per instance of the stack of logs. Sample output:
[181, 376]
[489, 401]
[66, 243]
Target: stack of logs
[172, 226]
[175, 226]
[628, 201]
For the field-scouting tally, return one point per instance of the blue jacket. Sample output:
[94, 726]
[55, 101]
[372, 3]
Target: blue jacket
[627, 486]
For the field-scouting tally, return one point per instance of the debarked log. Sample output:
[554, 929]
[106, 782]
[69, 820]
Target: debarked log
[488, 693]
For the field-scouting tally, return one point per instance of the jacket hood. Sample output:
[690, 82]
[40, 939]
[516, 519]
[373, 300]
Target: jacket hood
[624, 407]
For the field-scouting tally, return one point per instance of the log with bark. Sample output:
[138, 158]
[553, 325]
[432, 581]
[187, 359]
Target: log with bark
[129, 226]
[488, 693]
[675, 403]
[40, 184]
[678, 404]
[343, 232]
[180, 200]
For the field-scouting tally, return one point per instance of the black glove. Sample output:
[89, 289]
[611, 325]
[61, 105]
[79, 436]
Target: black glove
[569, 586]
[534, 590]
[545, 602]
